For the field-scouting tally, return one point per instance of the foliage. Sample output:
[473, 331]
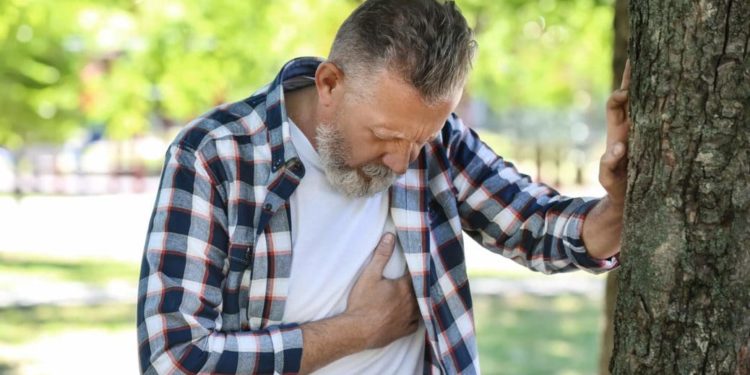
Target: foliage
[129, 66]
[541, 54]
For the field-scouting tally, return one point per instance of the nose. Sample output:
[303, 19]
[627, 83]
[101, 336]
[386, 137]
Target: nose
[398, 161]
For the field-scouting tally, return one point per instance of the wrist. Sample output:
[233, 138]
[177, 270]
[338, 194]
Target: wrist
[328, 340]
[613, 206]
[357, 329]
[602, 229]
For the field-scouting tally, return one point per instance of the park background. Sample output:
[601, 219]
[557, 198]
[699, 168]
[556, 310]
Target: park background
[92, 92]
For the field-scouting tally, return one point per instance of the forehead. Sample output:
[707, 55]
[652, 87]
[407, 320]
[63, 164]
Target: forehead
[392, 104]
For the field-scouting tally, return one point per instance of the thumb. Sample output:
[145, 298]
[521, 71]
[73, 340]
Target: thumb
[381, 255]
[614, 155]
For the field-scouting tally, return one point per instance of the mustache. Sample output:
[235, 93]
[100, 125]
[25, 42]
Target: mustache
[366, 180]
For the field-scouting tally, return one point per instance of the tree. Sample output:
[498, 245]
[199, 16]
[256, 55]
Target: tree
[684, 296]
[620, 55]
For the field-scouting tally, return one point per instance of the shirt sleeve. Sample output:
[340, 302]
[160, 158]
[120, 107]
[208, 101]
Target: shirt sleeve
[179, 321]
[506, 212]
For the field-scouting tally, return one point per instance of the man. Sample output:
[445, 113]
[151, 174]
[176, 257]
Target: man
[259, 254]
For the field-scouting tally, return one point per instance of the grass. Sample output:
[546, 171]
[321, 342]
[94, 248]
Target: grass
[538, 335]
[520, 273]
[95, 272]
[489, 273]
[516, 334]
[20, 325]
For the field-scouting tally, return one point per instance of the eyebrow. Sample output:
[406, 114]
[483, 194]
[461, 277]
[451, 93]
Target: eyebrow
[384, 133]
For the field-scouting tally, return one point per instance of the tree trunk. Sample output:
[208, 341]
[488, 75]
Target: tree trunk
[620, 55]
[684, 296]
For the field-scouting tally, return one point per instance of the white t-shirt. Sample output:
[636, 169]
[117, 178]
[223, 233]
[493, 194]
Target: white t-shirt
[333, 238]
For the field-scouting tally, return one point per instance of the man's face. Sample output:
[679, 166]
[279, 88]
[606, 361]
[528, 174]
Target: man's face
[377, 126]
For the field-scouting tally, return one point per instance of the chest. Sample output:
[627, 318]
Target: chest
[425, 220]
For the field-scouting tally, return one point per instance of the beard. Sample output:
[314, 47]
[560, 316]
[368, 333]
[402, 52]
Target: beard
[364, 181]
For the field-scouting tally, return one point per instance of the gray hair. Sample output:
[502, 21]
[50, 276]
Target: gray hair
[427, 42]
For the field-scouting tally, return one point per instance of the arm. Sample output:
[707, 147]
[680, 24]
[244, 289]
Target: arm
[530, 223]
[378, 311]
[507, 213]
[181, 292]
[602, 229]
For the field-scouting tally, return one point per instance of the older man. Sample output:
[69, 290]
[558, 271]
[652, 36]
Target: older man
[259, 256]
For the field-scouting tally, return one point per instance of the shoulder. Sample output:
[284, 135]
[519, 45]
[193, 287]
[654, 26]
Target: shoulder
[240, 122]
[227, 139]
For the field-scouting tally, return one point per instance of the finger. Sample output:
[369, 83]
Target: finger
[625, 83]
[612, 169]
[617, 132]
[381, 255]
[610, 161]
[405, 282]
[407, 288]
[618, 99]
[617, 109]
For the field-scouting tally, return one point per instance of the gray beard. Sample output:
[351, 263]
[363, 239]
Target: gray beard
[365, 181]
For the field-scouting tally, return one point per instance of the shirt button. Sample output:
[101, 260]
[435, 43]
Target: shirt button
[295, 165]
[277, 164]
[267, 207]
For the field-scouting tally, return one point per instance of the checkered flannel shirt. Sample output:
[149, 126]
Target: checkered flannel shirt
[218, 254]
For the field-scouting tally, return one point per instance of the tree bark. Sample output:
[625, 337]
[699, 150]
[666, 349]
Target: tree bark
[619, 56]
[684, 296]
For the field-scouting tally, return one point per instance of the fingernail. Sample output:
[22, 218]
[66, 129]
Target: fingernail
[388, 238]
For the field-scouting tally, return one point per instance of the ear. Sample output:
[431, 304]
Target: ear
[328, 81]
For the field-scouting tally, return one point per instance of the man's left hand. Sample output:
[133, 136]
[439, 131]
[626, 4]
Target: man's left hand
[602, 228]
[614, 162]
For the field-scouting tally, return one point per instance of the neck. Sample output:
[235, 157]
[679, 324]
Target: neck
[301, 107]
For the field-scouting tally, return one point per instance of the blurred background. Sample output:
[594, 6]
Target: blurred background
[93, 91]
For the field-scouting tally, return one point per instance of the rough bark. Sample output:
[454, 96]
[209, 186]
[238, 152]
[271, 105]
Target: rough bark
[619, 56]
[684, 296]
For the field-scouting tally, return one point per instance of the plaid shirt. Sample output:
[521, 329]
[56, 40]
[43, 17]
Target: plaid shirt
[218, 254]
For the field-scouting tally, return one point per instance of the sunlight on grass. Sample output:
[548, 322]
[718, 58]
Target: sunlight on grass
[538, 335]
[97, 272]
[18, 325]
[517, 334]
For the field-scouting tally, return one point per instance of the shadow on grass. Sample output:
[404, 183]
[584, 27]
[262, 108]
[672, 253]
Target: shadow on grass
[7, 368]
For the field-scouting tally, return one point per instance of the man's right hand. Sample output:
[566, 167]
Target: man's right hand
[378, 312]
[387, 307]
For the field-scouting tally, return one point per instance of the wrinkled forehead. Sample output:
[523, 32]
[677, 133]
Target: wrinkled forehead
[390, 103]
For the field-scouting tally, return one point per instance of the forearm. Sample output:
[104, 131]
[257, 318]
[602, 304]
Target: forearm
[602, 229]
[328, 340]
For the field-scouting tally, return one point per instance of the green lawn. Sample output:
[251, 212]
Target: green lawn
[20, 325]
[517, 335]
[95, 272]
[538, 335]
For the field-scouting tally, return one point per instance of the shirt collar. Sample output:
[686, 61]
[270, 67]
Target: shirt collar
[293, 74]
